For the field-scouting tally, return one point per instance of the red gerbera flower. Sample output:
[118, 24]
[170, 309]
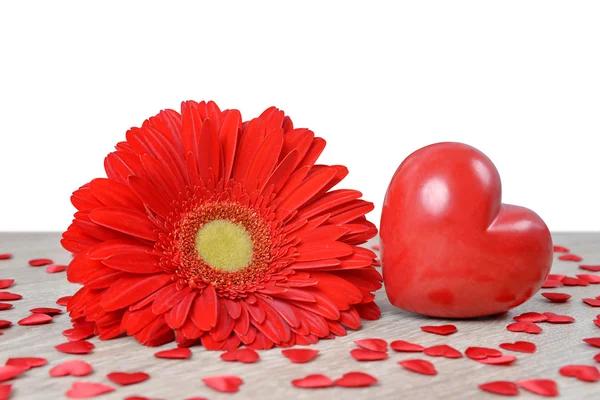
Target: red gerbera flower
[213, 230]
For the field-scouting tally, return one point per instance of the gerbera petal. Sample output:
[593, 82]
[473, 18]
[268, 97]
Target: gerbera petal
[252, 136]
[126, 221]
[204, 310]
[83, 200]
[130, 289]
[229, 137]
[112, 247]
[209, 162]
[316, 148]
[137, 263]
[323, 250]
[298, 140]
[191, 126]
[242, 324]
[179, 313]
[233, 307]
[150, 196]
[308, 188]
[266, 158]
[224, 325]
[168, 297]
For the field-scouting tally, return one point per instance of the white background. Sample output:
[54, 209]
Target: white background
[520, 80]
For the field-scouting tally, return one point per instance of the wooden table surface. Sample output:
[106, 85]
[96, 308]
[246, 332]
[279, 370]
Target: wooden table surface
[269, 378]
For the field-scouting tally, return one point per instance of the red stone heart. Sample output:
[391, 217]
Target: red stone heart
[449, 247]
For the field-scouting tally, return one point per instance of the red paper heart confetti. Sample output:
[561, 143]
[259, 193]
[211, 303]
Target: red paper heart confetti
[440, 330]
[527, 327]
[223, 383]
[502, 360]
[587, 373]
[561, 249]
[83, 390]
[35, 319]
[75, 334]
[8, 296]
[420, 366]
[46, 310]
[245, 355]
[407, 347]
[300, 356]
[504, 388]
[128, 378]
[592, 302]
[5, 306]
[6, 283]
[372, 344]
[521, 347]
[77, 347]
[597, 357]
[558, 319]
[368, 355]
[530, 317]
[593, 341]
[442, 350]
[38, 262]
[8, 372]
[592, 279]
[549, 284]
[73, 368]
[375, 247]
[355, 379]
[570, 257]
[52, 269]
[5, 390]
[5, 256]
[5, 324]
[178, 353]
[27, 362]
[569, 281]
[479, 353]
[592, 268]
[63, 300]
[315, 381]
[556, 297]
[543, 387]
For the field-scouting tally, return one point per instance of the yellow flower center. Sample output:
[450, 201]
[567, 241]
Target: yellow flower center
[224, 245]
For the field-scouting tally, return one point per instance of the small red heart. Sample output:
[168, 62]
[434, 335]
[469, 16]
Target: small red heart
[543, 387]
[355, 379]
[570, 281]
[530, 317]
[527, 327]
[6, 283]
[315, 381]
[450, 194]
[63, 300]
[368, 355]
[521, 347]
[46, 310]
[52, 269]
[593, 341]
[8, 372]
[300, 356]
[245, 355]
[73, 368]
[5, 390]
[5, 323]
[38, 262]
[8, 296]
[597, 357]
[557, 297]
[35, 319]
[588, 373]
[551, 283]
[128, 378]
[501, 387]
[5, 306]
[593, 268]
[440, 330]
[480, 353]
[592, 302]
[372, 344]
[570, 257]
[404, 346]
[561, 249]
[5, 256]
[592, 279]
[502, 360]
[442, 350]
[77, 347]
[223, 383]
[178, 353]
[27, 362]
[420, 366]
[75, 334]
[83, 390]
[558, 319]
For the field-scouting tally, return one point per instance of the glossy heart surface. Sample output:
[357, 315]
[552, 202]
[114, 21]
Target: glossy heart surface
[449, 246]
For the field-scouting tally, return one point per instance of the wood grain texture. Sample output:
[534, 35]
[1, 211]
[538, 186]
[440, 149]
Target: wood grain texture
[558, 345]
